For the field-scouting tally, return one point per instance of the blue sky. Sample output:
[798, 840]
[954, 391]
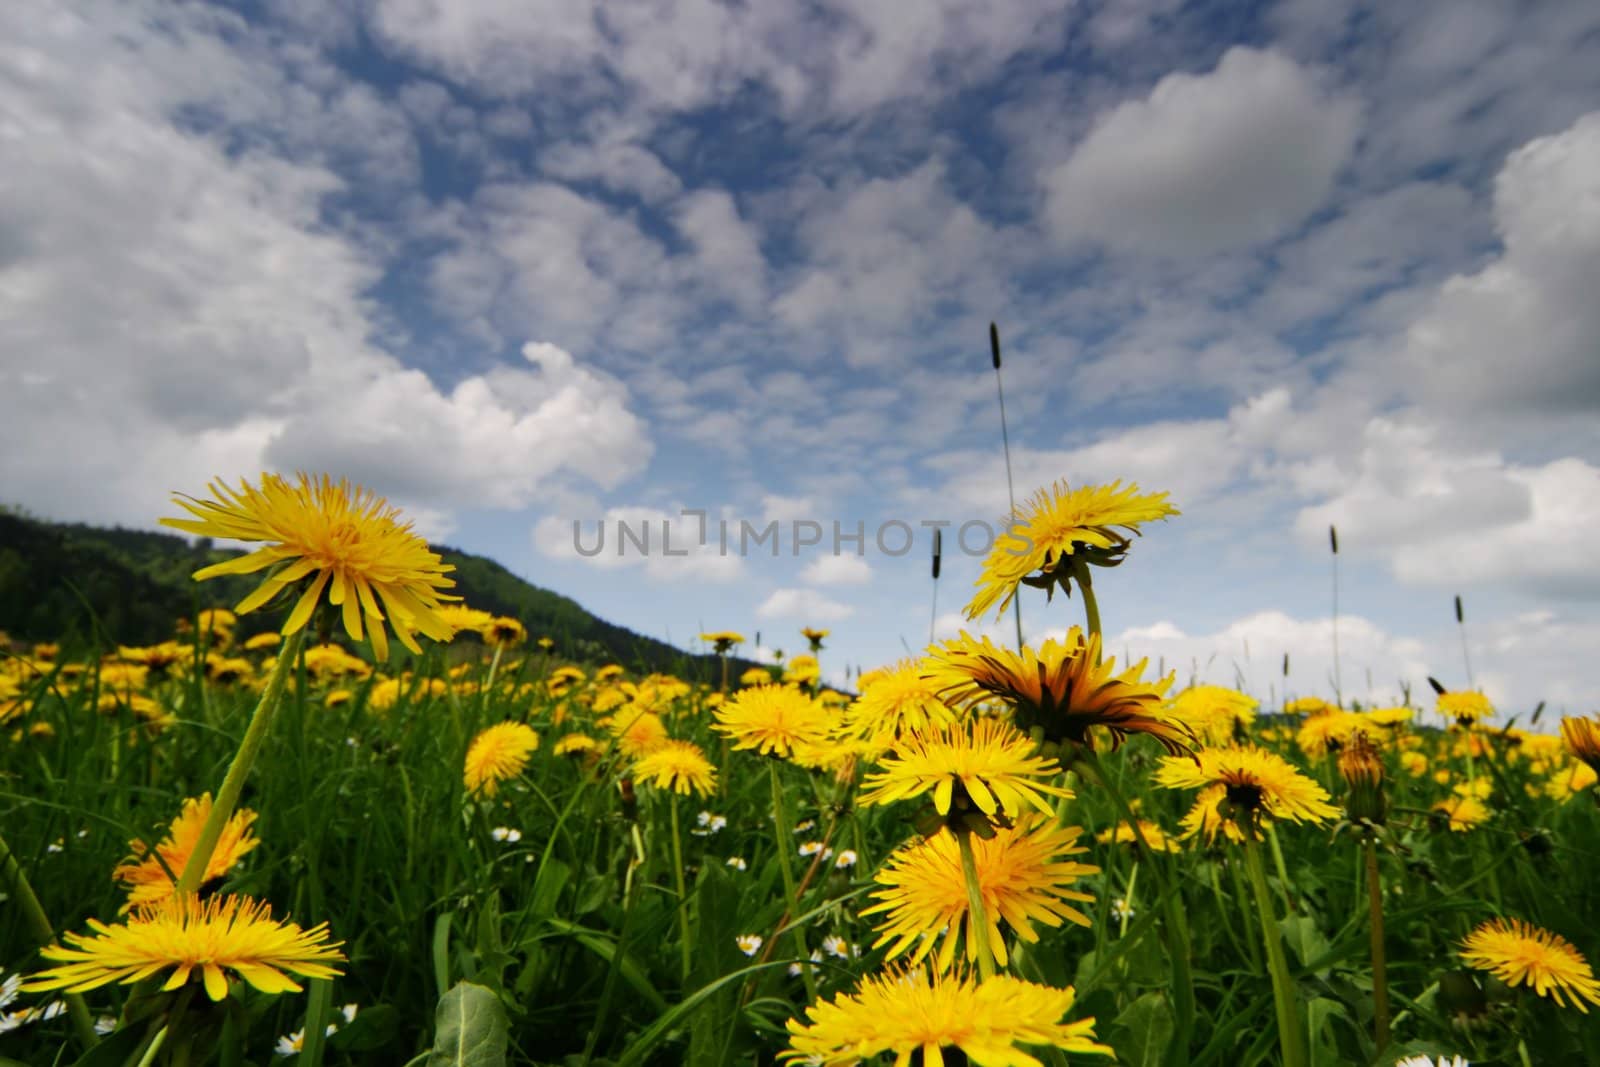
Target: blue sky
[515, 265]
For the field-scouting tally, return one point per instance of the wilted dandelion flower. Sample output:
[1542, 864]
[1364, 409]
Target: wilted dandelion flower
[148, 880]
[221, 935]
[680, 766]
[1519, 953]
[1243, 784]
[339, 538]
[1063, 687]
[498, 754]
[907, 1012]
[1056, 525]
[773, 719]
[1022, 876]
[997, 769]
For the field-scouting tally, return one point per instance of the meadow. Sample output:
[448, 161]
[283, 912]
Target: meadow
[478, 849]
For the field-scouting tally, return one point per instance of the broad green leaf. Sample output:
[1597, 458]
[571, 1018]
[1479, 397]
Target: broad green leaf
[471, 1028]
[1143, 1031]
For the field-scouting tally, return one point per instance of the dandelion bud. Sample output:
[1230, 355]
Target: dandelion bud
[1362, 768]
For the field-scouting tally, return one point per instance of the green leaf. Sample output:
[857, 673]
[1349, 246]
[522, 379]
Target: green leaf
[114, 1050]
[1305, 940]
[374, 1027]
[471, 1028]
[319, 1006]
[1143, 1031]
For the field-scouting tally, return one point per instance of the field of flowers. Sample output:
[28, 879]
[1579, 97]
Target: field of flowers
[402, 831]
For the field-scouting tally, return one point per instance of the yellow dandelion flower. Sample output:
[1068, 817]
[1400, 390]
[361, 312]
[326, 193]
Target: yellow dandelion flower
[1462, 814]
[773, 719]
[680, 766]
[1583, 739]
[1325, 733]
[638, 733]
[1154, 836]
[221, 935]
[148, 880]
[575, 744]
[906, 1012]
[722, 640]
[985, 764]
[1021, 873]
[1218, 715]
[1519, 953]
[338, 538]
[462, 619]
[1063, 687]
[1057, 524]
[1465, 708]
[1308, 706]
[897, 700]
[498, 754]
[755, 676]
[802, 670]
[1243, 784]
[504, 631]
[262, 642]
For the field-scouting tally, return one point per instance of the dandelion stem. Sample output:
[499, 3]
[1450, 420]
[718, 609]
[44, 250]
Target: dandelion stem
[1174, 928]
[1091, 606]
[1290, 1039]
[685, 929]
[33, 913]
[1380, 976]
[194, 872]
[781, 829]
[149, 1056]
[977, 919]
[1278, 865]
[494, 668]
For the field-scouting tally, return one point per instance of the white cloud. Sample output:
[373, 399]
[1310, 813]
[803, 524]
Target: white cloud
[1523, 332]
[837, 570]
[1375, 667]
[803, 605]
[176, 311]
[494, 440]
[1207, 162]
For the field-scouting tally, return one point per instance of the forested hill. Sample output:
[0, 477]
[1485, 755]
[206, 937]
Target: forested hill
[68, 582]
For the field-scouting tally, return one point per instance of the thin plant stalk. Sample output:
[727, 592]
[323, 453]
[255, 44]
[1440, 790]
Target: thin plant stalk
[685, 928]
[1290, 1039]
[194, 871]
[33, 913]
[1005, 441]
[977, 917]
[1380, 976]
[1338, 686]
[781, 827]
[494, 668]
